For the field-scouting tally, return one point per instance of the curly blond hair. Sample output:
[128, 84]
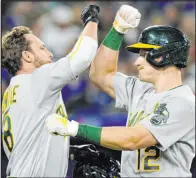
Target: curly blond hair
[13, 44]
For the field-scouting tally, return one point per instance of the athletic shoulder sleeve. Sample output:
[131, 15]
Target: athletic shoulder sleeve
[129, 89]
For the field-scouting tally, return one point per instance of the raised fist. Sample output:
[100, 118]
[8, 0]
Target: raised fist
[126, 18]
[90, 13]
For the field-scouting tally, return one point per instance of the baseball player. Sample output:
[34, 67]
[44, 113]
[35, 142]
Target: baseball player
[159, 137]
[34, 93]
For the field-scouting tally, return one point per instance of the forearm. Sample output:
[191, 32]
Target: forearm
[105, 62]
[90, 30]
[86, 47]
[116, 138]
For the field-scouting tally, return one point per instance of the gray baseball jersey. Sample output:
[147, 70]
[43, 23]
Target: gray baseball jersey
[169, 116]
[32, 151]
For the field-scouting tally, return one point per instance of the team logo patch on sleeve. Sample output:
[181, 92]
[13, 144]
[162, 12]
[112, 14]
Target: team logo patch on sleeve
[161, 115]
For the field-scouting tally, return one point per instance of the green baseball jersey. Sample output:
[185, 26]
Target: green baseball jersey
[169, 116]
[32, 151]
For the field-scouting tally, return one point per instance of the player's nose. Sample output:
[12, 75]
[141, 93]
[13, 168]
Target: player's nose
[50, 54]
[137, 62]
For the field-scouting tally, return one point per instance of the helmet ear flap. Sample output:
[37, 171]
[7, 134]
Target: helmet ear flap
[154, 59]
[172, 54]
[149, 57]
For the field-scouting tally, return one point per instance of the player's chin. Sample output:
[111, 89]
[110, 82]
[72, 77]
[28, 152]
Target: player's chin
[50, 61]
[46, 62]
[143, 78]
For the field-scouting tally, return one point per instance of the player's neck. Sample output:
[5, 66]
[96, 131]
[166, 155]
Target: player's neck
[168, 80]
[26, 68]
[23, 71]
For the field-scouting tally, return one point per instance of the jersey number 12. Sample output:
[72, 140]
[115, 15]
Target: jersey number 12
[151, 154]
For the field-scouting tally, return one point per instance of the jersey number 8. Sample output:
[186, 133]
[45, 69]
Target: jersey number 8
[7, 132]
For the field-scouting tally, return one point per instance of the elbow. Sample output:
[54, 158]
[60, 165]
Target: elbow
[133, 147]
[94, 77]
[95, 80]
[130, 143]
[129, 147]
[93, 73]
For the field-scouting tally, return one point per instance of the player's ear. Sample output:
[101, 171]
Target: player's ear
[27, 56]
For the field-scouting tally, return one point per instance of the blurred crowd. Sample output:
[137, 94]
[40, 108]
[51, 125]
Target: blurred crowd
[58, 25]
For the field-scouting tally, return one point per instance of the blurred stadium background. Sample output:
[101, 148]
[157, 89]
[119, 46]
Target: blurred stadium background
[58, 25]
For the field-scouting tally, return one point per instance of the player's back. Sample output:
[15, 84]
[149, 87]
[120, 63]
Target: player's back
[31, 150]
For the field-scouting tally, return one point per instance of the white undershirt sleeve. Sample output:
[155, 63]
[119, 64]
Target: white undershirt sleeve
[82, 54]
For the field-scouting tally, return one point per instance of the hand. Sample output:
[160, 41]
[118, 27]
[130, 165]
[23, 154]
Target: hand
[58, 125]
[126, 18]
[90, 13]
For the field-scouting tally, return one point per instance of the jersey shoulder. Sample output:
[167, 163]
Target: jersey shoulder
[20, 85]
[181, 98]
[184, 94]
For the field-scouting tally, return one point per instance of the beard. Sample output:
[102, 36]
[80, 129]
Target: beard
[38, 63]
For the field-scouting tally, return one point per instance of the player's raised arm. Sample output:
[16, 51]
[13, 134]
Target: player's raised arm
[53, 77]
[104, 66]
[86, 47]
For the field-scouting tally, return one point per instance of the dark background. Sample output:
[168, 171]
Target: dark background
[85, 103]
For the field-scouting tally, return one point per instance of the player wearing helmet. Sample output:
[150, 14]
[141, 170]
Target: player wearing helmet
[159, 137]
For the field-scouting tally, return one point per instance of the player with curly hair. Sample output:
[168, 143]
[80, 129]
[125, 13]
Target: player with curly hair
[34, 93]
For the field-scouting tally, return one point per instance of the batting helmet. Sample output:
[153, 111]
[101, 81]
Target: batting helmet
[165, 41]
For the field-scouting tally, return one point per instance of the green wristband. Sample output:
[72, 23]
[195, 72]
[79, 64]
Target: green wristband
[113, 39]
[89, 133]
